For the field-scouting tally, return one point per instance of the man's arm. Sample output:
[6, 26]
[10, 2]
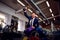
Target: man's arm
[25, 13]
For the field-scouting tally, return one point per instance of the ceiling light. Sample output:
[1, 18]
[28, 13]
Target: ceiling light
[47, 3]
[52, 14]
[54, 18]
[43, 21]
[36, 15]
[46, 24]
[2, 16]
[30, 10]
[0, 21]
[40, 19]
[20, 2]
[50, 10]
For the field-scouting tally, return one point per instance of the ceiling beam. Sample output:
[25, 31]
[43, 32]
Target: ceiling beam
[19, 10]
[51, 17]
[29, 5]
[39, 2]
[40, 11]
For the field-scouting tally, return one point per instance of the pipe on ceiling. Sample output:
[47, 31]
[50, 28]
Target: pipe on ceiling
[39, 2]
[39, 10]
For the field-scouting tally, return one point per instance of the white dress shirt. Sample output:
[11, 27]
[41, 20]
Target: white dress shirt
[32, 21]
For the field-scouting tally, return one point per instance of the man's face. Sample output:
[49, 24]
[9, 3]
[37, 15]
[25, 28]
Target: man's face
[33, 15]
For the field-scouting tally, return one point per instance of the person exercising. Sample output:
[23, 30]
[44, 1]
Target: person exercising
[33, 20]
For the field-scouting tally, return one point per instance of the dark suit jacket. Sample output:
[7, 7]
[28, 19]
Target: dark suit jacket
[35, 23]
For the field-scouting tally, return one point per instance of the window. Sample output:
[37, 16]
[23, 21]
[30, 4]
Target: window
[2, 20]
[21, 25]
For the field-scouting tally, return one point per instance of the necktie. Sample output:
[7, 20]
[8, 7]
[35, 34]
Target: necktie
[32, 20]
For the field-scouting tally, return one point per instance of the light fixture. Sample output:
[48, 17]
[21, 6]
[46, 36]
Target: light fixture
[54, 18]
[47, 3]
[50, 10]
[30, 10]
[0, 21]
[53, 15]
[46, 24]
[2, 16]
[40, 19]
[36, 15]
[20, 2]
[43, 21]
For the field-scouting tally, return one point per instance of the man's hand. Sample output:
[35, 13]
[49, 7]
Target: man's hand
[25, 9]
[33, 27]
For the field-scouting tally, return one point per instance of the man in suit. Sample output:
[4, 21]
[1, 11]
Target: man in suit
[33, 20]
[32, 23]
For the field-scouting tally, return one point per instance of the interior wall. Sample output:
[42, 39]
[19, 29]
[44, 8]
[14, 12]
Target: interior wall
[21, 25]
[8, 12]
